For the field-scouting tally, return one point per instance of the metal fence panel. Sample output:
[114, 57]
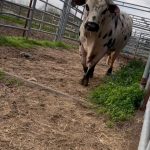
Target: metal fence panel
[64, 22]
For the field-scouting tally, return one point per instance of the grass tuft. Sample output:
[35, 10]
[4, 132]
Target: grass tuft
[120, 95]
[20, 42]
[8, 81]
[2, 75]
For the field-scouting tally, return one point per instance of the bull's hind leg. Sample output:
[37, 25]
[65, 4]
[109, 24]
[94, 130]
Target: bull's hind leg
[111, 59]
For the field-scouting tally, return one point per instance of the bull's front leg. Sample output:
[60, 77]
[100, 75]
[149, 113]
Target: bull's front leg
[87, 73]
[91, 63]
[83, 55]
[87, 76]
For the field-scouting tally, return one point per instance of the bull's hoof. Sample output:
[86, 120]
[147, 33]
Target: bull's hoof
[84, 81]
[109, 72]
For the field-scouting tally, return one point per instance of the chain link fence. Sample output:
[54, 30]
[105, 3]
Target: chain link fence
[43, 19]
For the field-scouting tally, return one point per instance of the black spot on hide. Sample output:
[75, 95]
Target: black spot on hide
[105, 36]
[125, 38]
[116, 22]
[110, 33]
[109, 43]
[99, 35]
[104, 12]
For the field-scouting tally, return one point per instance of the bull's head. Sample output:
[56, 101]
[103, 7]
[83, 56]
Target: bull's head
[96, 11]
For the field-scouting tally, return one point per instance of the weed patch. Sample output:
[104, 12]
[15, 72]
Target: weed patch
[120, 95]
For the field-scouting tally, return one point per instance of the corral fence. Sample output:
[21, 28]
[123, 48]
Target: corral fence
[61, 21]
[144, 143]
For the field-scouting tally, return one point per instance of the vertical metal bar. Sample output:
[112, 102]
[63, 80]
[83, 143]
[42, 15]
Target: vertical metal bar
[146, 73]
[31, 16]
[31, 13]
[28, 15]
[1, 5]
[137, 46]
[145, 133]
[41, 24]
[63, 20]
[148, 146]
[19, 13]
[147, 95]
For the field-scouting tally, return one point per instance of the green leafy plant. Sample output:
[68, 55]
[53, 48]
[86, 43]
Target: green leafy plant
[120, 95]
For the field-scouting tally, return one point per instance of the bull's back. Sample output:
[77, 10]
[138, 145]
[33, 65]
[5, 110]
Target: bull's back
[116, 33]
[122, 31]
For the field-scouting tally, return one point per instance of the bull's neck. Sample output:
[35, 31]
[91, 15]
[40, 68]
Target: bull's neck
[91, 39]
[109, 20]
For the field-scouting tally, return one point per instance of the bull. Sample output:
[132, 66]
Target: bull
[105, 30]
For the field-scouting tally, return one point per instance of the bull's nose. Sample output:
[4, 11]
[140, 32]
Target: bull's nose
[92, 26]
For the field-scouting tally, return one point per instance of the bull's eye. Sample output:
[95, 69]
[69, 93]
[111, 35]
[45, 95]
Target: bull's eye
[87, 7]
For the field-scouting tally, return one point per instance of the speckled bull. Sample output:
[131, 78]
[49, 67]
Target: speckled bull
[104, 30]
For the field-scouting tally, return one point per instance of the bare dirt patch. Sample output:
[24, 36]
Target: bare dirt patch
[60, 69]
[31, 118]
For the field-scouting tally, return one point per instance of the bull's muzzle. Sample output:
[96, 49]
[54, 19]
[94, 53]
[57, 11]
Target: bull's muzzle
[92, 26]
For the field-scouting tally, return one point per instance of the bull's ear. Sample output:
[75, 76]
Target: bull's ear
[78, 2]
[114, 8]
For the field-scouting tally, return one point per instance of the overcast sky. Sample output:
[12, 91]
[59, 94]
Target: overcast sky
[59, 4]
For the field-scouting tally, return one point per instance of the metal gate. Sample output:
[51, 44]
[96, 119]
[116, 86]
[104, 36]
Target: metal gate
[63, 22]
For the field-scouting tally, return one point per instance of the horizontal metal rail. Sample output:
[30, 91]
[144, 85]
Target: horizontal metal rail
[46, 21]
[133, 6]
[18, 16]
[43, 31]
[13, 27]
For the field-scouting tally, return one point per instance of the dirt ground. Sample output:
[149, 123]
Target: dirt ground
[31, 118]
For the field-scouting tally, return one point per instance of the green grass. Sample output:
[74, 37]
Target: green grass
[2, 76]
[48, 28]
[120, 95]
[20, 42]
[19, 21]
[12, 19]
